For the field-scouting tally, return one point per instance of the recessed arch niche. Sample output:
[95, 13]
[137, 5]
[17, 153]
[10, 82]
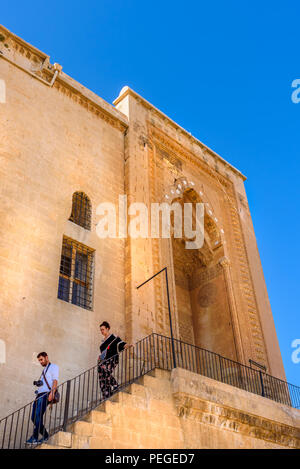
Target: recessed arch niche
[202, 302]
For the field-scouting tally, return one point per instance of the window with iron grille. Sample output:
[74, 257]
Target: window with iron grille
[81, 210]
[76, 273]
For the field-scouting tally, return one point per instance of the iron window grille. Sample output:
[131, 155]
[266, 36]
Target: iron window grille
[76, 274]
[81, 210]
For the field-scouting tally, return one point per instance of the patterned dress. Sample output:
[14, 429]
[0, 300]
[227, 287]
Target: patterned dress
[107, 361]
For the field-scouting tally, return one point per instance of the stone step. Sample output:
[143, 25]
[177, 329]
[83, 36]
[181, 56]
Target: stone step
[108, 406]
[135, 399]
[118, 421]
[61, 439]
[161, 374]
[80, 442]
[98, 417]
[159, 385]
[115, 397]
[137, 389]
[88, 429]
[101, 442]
[48, 446]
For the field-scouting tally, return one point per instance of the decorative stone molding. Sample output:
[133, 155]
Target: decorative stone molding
[168, 146]
[224, 261]
[206, 275]
[177, 130]
[88, 105]
[226, 418]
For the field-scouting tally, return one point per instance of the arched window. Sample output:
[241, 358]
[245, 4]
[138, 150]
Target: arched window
[81, 210]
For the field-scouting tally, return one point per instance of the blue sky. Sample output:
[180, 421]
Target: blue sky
[223, 71]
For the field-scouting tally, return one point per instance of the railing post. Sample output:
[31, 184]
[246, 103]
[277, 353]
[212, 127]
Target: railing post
[169, 308]
[221, 368]
[170, 318]
[66, 412]
[262, 384]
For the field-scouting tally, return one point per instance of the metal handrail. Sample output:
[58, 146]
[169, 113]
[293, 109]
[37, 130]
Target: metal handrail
[89, 389]
[234, 373]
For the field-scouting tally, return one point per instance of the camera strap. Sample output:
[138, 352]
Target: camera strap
[44, 375]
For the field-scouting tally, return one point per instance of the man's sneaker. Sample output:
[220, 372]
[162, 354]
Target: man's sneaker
[43, 440]
[32, 440]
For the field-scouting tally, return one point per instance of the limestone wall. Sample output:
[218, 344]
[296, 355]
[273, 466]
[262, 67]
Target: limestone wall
[53, 141]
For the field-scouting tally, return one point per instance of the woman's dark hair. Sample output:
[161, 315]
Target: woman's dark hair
[105, 324]
[42, 354]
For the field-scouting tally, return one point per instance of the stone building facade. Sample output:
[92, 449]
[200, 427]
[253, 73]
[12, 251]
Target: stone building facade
[58, 139]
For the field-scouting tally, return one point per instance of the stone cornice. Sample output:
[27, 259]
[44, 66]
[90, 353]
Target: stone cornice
[36, 63]
[128, 91]
[8, 35]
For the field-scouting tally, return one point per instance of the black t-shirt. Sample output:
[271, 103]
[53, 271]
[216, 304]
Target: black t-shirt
[113, 344]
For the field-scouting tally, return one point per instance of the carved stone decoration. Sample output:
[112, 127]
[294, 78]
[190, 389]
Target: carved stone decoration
[256, 348]
[156, 258]
[222, 417]
[224, 261]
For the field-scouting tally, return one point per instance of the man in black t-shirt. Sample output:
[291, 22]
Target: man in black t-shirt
[110, 348]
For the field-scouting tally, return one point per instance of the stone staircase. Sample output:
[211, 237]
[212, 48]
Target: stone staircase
[142, 416]
[182, 410]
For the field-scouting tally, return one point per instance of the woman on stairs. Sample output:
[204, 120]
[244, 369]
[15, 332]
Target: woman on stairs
[110, 348]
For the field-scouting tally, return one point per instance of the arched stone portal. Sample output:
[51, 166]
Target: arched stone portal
[203, 307]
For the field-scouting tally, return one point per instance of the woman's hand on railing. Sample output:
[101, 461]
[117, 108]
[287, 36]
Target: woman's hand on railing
[128, 346]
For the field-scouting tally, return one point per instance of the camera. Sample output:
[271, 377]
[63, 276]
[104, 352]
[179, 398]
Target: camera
[38, 383]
